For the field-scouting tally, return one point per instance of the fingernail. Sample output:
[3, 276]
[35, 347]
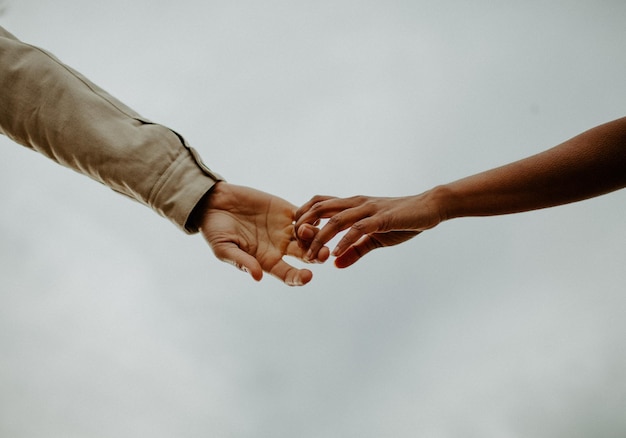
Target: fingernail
[335, 252]
[308, 255]
[306, 233]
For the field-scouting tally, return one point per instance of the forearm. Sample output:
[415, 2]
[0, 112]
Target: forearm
[590, 164]
[48, 107]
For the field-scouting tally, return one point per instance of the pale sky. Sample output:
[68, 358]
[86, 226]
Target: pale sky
[114, 323]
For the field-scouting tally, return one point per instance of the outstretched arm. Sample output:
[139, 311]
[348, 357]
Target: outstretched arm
[590, 164]
[50, 108]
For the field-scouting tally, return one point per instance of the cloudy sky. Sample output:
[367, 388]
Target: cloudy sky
[114, 323]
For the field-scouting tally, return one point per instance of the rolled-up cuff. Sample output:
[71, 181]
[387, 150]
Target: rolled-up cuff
[181, 189]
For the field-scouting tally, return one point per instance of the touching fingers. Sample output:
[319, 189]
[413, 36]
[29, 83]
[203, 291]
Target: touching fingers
[307, 206]
[336, 224]
[305, 234]
[323, 208]
[328, 231]
[299, 247]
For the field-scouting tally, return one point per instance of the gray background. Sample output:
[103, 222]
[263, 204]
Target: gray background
[113, 323]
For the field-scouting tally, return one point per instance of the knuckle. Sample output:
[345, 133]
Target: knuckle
[372, 206]
[374, 243]
[359, 226]
[317, 207]
[381, 222]
[358, 199]
[318, 198]
[335, 221]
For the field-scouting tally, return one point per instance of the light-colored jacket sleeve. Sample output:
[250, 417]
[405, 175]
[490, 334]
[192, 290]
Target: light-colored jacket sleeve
[48, 107]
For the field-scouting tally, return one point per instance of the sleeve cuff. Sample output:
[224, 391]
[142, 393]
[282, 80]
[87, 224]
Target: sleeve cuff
[184, 184]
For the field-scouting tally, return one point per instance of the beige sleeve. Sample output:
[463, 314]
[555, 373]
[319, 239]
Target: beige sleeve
[50, 108]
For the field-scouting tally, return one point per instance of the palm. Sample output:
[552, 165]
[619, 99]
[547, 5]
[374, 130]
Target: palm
[253, 231]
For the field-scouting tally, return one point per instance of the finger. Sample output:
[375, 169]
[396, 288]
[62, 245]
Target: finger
[356, 232]
[307, 206]
[335, 225]
[297, 249]
[232, 254]
[289, 275]
[325, 209]
[323, 254]
[355, 252]
[306, 233]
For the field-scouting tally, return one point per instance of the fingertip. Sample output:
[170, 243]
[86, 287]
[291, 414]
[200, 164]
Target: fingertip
[323, 254]
[348, 258]
[257, 276]
[306, 232]
[304, 277]
[341, 263]
[301, 277]
[255, 272]
[241, 260]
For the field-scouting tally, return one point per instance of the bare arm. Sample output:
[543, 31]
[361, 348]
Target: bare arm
[590, 164]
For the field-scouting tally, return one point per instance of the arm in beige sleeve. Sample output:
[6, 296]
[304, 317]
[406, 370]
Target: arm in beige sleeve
[52, 109]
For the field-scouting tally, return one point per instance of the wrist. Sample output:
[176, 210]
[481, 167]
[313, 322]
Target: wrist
[197, 215]
[441, 199]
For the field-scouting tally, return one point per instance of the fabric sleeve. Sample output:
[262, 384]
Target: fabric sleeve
[48, 107]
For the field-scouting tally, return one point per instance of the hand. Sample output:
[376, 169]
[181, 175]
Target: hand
[373, 222]
[253, 230]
